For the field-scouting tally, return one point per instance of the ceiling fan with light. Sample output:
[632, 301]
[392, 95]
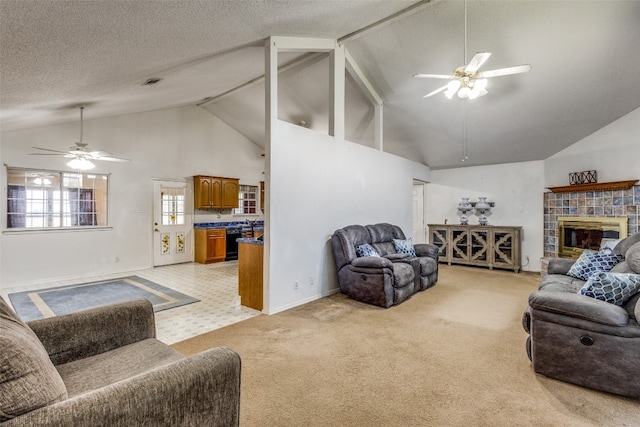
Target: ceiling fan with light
[468, 81]
[80, 155]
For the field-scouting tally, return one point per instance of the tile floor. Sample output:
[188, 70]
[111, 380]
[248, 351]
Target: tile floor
[215, 285]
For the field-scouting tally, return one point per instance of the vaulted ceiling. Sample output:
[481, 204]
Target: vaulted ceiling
[55, 55]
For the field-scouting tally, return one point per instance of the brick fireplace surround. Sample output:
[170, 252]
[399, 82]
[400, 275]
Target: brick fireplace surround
[616, 203]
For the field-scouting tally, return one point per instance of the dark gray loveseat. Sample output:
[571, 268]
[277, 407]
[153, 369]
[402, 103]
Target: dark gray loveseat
[388, 277]
[104, 367]
[583, 340]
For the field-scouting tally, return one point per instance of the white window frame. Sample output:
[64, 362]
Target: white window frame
[248, 193]
[55, 201]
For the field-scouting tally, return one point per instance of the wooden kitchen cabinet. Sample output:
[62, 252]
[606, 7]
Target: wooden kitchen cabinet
[212, 192]
[210, 245]
[480, 245]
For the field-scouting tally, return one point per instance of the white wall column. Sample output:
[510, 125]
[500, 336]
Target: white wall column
[271, 122]
[336, 92]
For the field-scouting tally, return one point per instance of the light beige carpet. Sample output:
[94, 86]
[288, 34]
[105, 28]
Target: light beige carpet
[453, 355]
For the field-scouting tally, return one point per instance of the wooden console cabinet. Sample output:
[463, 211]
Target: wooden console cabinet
[212, 192]
[210, 245]
[480, 245]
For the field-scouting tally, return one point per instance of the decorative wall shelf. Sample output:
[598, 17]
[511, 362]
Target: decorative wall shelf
[596, 186]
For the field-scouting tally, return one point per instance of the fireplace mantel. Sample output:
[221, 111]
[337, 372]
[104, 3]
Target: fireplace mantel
[596, 186]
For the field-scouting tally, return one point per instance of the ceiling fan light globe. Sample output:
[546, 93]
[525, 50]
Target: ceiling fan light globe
[449, 94]
[464, 92]
[80, 164]
[453, 85]
[480, 84]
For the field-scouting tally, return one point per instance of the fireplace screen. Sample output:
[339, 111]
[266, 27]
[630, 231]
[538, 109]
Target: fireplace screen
[576, 234]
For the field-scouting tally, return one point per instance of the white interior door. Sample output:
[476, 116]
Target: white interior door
[172, 222]
[419, 232]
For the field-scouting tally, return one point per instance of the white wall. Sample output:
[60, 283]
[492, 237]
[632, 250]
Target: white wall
[515, 188]
[317, 185]
[169, 144]
[613, 151]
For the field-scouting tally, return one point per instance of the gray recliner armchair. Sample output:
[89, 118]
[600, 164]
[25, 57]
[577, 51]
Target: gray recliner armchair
[104, 367]
[585, 340]
[384, 276]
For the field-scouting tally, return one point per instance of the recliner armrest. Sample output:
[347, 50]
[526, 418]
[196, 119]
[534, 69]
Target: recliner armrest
[426, 249]
[396, 257]
[559, 265]
[86, 333]
[371, 262]
[579, 306]
[203, 389]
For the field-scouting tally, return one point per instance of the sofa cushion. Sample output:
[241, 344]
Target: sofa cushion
[402, 274]
[623, 246]
[622, 267]
[632, 257]
[560, 283]
[95, 372]
[28, 379]
[366, 250]
[615, 288]
[384, 248]
[591, 262]
[404, 246]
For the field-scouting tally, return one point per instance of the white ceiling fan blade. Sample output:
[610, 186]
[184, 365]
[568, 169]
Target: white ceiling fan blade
[434, 76]
[49, 149]
[505, 71]
[477, 61]
[111, 159]
[103, 155]
[442, 89]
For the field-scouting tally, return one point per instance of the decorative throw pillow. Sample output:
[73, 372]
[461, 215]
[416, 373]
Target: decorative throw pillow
[404, 246]
[615, 288]
[366, 250]
[591, 262]
[28, 379]
[607, 245]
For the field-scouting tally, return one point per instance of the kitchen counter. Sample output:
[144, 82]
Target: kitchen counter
[250, 270]
[250, 240]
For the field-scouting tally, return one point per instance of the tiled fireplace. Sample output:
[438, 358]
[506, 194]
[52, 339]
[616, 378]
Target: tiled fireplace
[598, 203]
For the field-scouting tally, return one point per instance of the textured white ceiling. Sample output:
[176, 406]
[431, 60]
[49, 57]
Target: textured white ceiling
[57, 54]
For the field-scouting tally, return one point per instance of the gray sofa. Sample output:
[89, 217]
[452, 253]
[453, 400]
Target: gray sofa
[104, 367]
[583, 340]
[389, 276]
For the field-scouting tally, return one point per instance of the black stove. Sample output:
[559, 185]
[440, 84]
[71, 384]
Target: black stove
[233, 233]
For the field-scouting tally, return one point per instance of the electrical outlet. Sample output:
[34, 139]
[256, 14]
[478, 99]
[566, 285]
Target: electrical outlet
[295, 285]
[310, 281]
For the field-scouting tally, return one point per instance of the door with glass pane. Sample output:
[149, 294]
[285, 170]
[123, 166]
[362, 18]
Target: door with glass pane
[172, 222]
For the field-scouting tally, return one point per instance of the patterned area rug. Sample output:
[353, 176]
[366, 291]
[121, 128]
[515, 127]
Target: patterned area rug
[51, 302]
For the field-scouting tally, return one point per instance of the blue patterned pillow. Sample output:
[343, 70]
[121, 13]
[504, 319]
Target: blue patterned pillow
[591, 262]
[615, 288]
[404, 246]
[366, 250]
